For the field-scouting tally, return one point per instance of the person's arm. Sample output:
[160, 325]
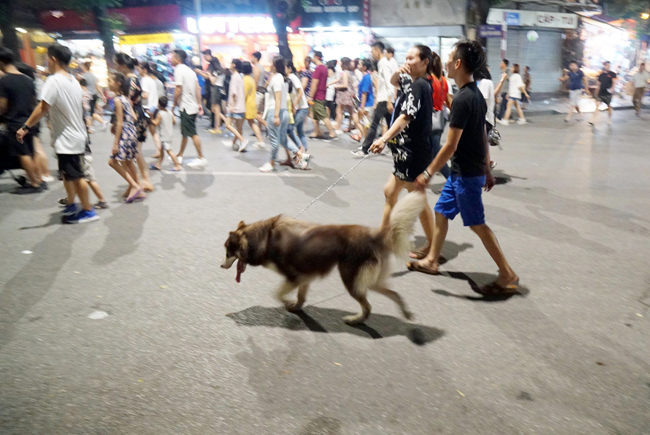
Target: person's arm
[586, 83]
[386, 74]
[39, 112]
[611, 90]
[156, 121]
[304, 81]
[296, 102]
[497, 91]
[173, 119]
[100, 91]
[362, 106]
[449, 100]
[443, 156]
[344, 83]
[119, 120]
[489, 178]
[202, 73]
[314, 86]
[398, 126]
[278, 100]
[256, 74]
[177, 95]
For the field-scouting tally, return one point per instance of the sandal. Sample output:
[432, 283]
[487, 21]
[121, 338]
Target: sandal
[417, 267]
[133, 196]
[494, 289]
[356, 137]
[101, 204]
[154, 167]
[418, 253]
[288, 163]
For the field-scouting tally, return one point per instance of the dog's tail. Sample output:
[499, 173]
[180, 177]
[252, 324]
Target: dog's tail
[402, 219]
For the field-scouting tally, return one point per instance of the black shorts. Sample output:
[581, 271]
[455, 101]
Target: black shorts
[605, 98]
[93, 103]
[215, 95]
[71, 166]
[14, 148]
[409, 163]
[188, 124]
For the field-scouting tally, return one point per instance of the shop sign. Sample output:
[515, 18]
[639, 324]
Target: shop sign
[222, 24]
[327, 12]
[555, 20]
[490, 31]
[153, 38]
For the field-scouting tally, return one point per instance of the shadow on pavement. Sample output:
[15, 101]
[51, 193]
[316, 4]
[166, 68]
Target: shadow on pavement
[35, 279]
[483, 278]
[450, 250]
[316, 186]
[322, 426]
[329, 320]
[125, 227]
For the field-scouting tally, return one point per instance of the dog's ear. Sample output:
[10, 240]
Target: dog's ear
[241, 225]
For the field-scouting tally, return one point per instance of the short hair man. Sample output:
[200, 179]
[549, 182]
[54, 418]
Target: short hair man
[503, 86]
[61, 98]
[17, 100]
[390, 55]
[187, 97]
[317, 95]
[467, 146]
[577, 85]
[640, 84]
[605, 91]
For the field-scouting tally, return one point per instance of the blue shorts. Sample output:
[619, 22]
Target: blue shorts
[462, 195]
[237, 115]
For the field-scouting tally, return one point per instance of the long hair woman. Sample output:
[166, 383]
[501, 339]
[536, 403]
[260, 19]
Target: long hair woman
[516, 89]
[409, 135]
[345, 95]
[277, 116]
[250, 91]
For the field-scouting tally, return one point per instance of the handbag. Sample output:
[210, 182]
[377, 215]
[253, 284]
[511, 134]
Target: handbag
[439, 119]
[494, 137]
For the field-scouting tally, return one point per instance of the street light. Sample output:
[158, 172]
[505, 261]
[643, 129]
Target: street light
[645, 16]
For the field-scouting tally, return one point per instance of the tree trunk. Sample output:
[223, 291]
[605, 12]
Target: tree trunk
[9, 37]
[283, 42]
[105, 34]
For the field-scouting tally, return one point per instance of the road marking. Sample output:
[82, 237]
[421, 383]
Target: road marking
[248, 174]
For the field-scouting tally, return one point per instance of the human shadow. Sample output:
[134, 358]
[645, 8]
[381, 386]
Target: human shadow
[322, 426]
[317, 185]
[125, 227]
[500, 177]
[475, 281]
[196, 184]
[329, 320]
[35, 279]
[55, 219]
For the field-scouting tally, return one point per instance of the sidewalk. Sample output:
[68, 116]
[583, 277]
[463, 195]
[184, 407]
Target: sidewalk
[560, 105]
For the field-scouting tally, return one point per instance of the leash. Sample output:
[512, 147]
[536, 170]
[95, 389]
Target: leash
[330, 188]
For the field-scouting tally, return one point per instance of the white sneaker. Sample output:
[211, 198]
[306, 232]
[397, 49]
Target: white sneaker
[105, 126]
[260, 145]
[339, 132]
[267, 168]
[243, 146]
[304, 162]
[502, 122]
[227, 143]
[198, 163]
[521, 121]
[48, 178]
[359, 153]
[179, 158]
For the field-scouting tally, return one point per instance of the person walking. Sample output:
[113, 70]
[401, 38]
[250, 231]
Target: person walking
[504, 85]
[61, 99]
[17, 102]
[125, 145]
[345, 96]
[92, 84]
[409, 135]
[383, 99]
[606, 85]
[577, 85]
[515, 91]
[468, 148]
[528, 84]
[187, 97]
[250, 91]
[366, 98]
[300, 107]
[236, 106]
[126, 65]
[212, 80]
[640, 85]
[277, 117]
[259, 75]
[164, 121]
[317, 96]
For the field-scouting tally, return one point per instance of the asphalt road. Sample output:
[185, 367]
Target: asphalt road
[184, 349]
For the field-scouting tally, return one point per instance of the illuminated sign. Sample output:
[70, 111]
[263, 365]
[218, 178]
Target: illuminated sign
[154, 38]
[213, 24]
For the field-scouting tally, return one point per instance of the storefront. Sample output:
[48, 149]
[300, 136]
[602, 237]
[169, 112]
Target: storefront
[605, 42]
[239, 36]
[534, 39]
[337, 28]
[436, 23]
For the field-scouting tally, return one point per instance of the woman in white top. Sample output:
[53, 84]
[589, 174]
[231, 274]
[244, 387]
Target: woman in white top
[236, 106]
[516, 89]
[486, 86]
[277, 117]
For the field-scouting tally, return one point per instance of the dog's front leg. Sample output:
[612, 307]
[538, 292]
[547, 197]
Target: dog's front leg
[286, 288]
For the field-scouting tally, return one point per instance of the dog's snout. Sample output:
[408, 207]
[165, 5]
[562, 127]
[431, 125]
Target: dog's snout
[227, 262]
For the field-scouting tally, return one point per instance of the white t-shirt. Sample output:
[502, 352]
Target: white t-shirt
[487, 89]
[516, 82]
[277, 84]
[149, 85]
[393, 65]
[186, 78]
[384, 88]
[641, 79]
[297, 86]
[166, 126]
[358, 74]
[63, 94]
[330, 92]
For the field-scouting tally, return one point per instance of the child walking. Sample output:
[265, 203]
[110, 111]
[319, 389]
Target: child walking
[125, 145]
[164, 121]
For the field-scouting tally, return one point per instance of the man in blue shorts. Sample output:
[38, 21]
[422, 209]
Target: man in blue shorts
[467, 147]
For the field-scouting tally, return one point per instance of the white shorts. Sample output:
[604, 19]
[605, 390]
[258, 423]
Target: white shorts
[574, 97]
[166, 146]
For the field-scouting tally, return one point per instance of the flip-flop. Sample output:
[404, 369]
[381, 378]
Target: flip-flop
[494, 289]
[419, 254]
[133, 197]
[154, 167]
[356, 137]
[416, 267]
[174, 170]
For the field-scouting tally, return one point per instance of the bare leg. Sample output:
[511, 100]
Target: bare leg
[197, 144]
[183, 145]
[69, 190]
[506, 117]
[430, 262]
[426, 219]
[96, 190]
[30, 167]
[395, 297]
[329, 127]
[256, 130]
[239, 125]
[41, 158]
[144, 171]
[177, 165]
[610, 111]
[355, 119]
[519, 111]
[216, 109]
[506, 276]
[122, 169]
[569, 115]
[156, 140]
[231, 128]
[81, 189]
[339, 116]
[391, 192]
[97, 118]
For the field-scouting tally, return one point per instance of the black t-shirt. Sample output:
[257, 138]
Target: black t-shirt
[416, 102]
[20, 92]
[606, 79]
[468, 114]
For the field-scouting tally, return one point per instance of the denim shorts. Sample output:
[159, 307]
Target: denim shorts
[462, 195]
[237, 115]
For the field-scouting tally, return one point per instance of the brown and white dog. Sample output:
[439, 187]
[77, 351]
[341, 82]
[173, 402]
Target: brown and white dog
[302, 252]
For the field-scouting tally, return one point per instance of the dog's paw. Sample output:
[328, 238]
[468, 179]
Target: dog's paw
[408, 315]
[354, 320]
[292, 307]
